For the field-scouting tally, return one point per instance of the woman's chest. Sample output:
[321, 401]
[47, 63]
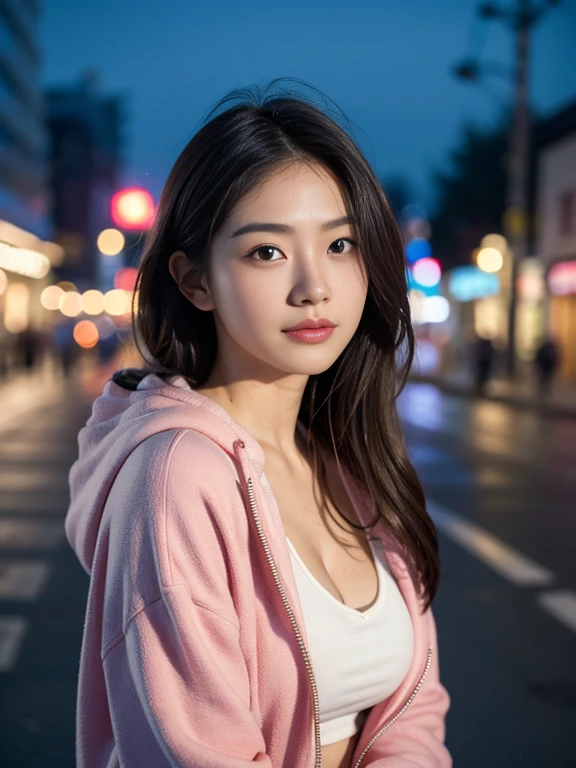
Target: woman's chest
[337, 555]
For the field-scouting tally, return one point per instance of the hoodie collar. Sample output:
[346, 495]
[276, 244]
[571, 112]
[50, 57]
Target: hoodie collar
[178, 388]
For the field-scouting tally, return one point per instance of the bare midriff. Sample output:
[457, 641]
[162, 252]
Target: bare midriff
[339, 754]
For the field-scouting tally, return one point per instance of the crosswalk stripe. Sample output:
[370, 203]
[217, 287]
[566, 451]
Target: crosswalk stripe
[22, 579]
[12, 632]
[16, 533]
[561, 604]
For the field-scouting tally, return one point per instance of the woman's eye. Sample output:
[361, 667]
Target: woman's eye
[265, 252]
[341, 243]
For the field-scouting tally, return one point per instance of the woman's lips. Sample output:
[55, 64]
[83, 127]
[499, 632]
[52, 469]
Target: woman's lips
[311, 335]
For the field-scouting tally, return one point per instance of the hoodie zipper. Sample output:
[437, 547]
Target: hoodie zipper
[400, 712]
[290, 612]
[306, 654]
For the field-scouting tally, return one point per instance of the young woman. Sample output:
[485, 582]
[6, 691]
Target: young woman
[262, 563]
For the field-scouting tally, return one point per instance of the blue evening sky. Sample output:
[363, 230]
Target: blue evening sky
[386, 64]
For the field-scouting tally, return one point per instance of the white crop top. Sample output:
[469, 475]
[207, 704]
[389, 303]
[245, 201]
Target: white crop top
[359, 657]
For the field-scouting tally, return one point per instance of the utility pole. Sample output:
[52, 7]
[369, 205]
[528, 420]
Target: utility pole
[520, 18]
[516, 214]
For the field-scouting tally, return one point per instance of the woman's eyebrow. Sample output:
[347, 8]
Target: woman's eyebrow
[285, 228]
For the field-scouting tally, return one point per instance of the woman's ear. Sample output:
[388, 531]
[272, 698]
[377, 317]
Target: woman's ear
[188, 282]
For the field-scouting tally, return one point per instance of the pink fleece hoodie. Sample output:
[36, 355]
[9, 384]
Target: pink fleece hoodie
[195, 651]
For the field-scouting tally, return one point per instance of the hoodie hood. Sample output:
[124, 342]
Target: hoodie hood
[134, 406]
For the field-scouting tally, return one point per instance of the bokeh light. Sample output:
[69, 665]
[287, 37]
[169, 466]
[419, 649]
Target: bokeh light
[416, 299]
[125, 278]
[117, 302]
[110, 242]
[16, 307]
[427, 272]
[70, 304]
[93, 302]
[436, 309]
[132, 208]
[489, 259]
[86, 334]
[418, 248]
[50, 297]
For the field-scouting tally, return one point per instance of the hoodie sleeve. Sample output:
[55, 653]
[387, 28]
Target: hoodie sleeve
[416, 739]
[176, 679]
[176, 690]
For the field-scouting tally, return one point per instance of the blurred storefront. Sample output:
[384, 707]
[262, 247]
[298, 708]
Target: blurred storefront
[557, 232]
[26, 256]
[531, 308]
[26, 264]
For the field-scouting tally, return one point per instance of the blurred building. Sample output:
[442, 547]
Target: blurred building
[85, 143]
[556, 180]
[23, 171]
[26, 256]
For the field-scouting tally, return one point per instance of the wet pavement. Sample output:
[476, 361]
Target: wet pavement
[501, 485]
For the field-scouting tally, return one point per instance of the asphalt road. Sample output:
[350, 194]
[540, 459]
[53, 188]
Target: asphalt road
[501, 485]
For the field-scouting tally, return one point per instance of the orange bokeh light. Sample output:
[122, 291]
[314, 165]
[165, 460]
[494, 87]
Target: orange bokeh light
[86, 334]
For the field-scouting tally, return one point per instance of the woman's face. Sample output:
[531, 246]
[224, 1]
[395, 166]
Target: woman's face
[286, 253]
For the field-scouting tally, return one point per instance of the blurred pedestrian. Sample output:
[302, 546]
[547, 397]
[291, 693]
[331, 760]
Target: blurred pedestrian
[27, 345]
[65, 345]
[546, 362]
[483, 356]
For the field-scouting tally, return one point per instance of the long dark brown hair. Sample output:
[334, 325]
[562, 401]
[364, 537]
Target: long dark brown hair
[351, 407]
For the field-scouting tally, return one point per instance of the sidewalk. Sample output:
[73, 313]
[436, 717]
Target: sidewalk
[23, 392]
[519, 394]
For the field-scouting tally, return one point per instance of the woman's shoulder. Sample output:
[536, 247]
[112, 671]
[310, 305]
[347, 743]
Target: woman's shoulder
[178, 454]
[171, 475]
[174, 503]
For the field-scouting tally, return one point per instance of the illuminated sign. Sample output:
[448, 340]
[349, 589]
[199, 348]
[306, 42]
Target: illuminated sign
[469, 282]
[562, 278]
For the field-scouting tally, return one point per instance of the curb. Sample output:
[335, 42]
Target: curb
[545, 409]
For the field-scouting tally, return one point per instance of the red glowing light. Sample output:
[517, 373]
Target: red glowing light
[132, 208]
[125, 278]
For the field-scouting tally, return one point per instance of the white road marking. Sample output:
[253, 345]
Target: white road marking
[16, 533]
[12, 632]
[508, 562]
[22, 579]
[561, 604]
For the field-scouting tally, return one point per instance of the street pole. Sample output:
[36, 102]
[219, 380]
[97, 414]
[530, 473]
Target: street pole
[516, 214]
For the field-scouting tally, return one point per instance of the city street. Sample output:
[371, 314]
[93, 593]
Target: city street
[501, 484]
